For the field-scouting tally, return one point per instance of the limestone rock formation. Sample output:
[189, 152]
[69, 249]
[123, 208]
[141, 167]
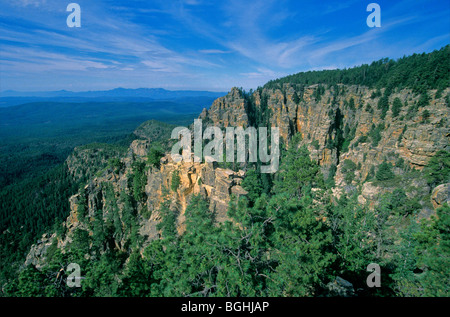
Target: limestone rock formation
[38, 251]
[230, 110]
[337, 123]
[345, 122]
[441, 195]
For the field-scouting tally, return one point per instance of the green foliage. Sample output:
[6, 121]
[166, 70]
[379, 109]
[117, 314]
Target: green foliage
[116, 164]
[289, 238]
[375, 134]
[139, 180]
[425, 116]
[253, 185]
[175, 181]
[420, 72]
[369, 108]
[319, 92]
[400, 163]
[433, 252]
[351, 104]
[361, 139]
[348, 169]
[82, 204]
[299, 238]
[401, 204]
[129, 221]
[400, 137]
[29, 208]
[437, 170]
[297, 172]
[349, 135]
[384, 172]
[168, 219]
[376, 94]
[315, 144]
[424, 100]
[330, 178]
[154, 156]
[295, 98]
[396, 107]
[422, 262]
[80, 241]
[383, 105]
[353, 230]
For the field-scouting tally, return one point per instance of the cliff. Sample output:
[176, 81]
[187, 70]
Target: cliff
[341, 125]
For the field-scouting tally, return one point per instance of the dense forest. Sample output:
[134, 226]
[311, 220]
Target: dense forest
[35, 183]
[289, 236]
[289, 242]
[419, 72]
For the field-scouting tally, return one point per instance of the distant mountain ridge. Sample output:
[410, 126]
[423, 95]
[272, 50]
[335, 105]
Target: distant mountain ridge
[13, 98]
[153, 93]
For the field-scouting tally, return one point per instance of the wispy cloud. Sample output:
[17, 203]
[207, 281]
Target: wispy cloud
[33, 3]
[214, 51]
[204, 43]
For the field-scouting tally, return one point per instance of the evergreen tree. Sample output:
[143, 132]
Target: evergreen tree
[396, 107]
[437, 170]
[253, 185]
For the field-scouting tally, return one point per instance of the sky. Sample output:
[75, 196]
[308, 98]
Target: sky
[203, 44]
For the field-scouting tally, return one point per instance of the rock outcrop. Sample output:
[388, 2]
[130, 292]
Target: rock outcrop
[228, 111]
[441, 195]
[337, 123]
[344, 122]
[215, 184]
[38, 252]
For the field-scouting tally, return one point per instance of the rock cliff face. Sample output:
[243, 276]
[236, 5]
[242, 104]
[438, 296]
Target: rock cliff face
[337, 124]
[228, 111]
[218, 185]
[441, 195]
[344, 122]
[207, 179]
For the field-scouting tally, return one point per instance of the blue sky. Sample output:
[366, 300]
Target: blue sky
[203, 44]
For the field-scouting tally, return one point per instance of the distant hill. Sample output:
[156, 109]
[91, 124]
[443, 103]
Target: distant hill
[12, 98]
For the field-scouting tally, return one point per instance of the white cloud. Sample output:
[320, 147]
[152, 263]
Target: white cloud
[26, 3]
[213, 51]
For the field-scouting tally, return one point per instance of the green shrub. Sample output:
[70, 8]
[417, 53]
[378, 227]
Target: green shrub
[176, 180]
[375, 134]
[383, 105]
[315, 144]
[424, 100]
[348, 169]
[438, 169]
[116, 164]
[331, 173]
[384, 172]
[400, 163]
[425, 116]
[396, 107]
[154, 156]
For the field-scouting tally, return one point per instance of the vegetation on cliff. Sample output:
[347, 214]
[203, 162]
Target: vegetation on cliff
[363, 179]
